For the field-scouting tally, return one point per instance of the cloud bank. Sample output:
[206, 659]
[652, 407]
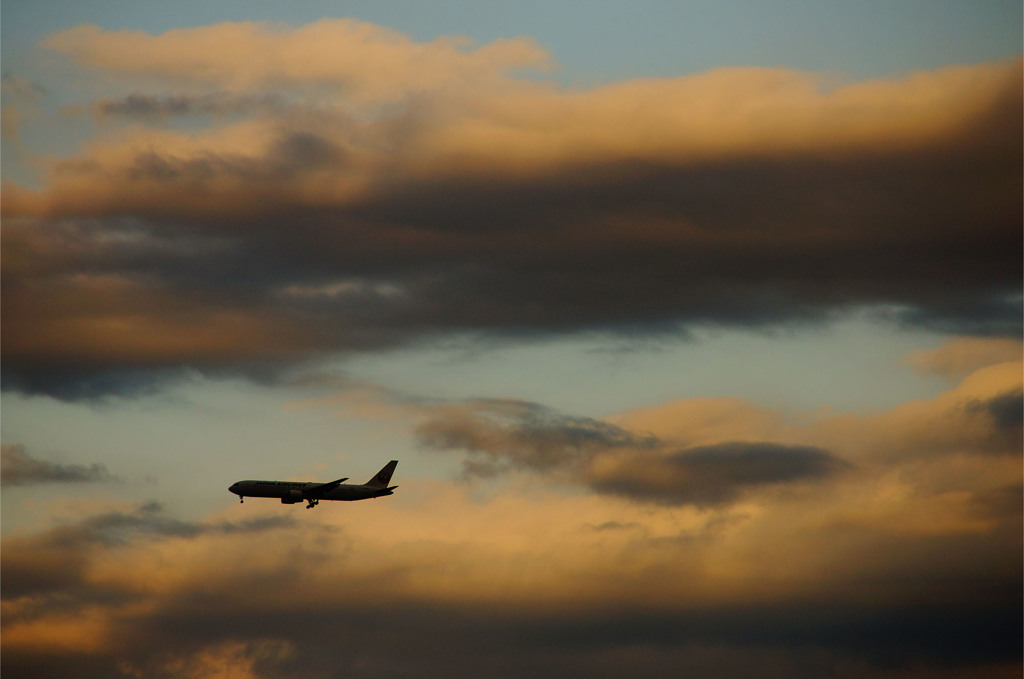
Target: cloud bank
[430, 192]
[903, 561]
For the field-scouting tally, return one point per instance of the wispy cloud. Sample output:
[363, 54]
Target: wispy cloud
[510, 434]
[18, 468]
[20, 99]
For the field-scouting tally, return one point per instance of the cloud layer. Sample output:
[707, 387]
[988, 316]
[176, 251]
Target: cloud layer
[904, 562]
[342, 187]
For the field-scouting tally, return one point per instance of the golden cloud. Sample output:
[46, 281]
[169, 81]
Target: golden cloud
[460, 112]
[367, 60]
[960, 357]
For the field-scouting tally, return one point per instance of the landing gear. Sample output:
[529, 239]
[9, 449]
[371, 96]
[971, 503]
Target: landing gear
[312, 503]
[241, 499]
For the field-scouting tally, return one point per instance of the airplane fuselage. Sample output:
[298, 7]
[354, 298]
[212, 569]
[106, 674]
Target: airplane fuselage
[292, 492]
[295, 490]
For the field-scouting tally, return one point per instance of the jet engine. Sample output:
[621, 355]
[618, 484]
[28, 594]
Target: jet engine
[292, 497]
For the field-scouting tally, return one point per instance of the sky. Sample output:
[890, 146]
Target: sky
[695, 328]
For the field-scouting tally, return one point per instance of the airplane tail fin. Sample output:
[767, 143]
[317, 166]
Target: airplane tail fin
[381, 479]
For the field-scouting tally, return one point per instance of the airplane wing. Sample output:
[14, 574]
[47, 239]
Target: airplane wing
[316, 491]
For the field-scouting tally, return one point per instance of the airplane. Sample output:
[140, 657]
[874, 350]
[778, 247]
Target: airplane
[292, 492]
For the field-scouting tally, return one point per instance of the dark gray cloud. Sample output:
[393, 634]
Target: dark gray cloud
[927, 234]
[288, 158]
[714, 474]
[1005, 412]
[18, 468]
[804, 640]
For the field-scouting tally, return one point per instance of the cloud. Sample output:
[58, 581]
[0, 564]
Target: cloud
[708, 534]
[55, 561]
[711, 475]
[958, 358]
[1007, 501]
[21, 469]
[366, 59]
[441, 195]
[158, 108]
[974, 418]
[505, 435]
[21, 99]
[524, 584]
[1006, 412]
[710, 453]
[512, 434]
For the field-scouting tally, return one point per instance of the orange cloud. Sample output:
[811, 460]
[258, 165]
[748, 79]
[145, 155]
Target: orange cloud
[367, 60]
[459, 111]
[83, 631]
[960, 357]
